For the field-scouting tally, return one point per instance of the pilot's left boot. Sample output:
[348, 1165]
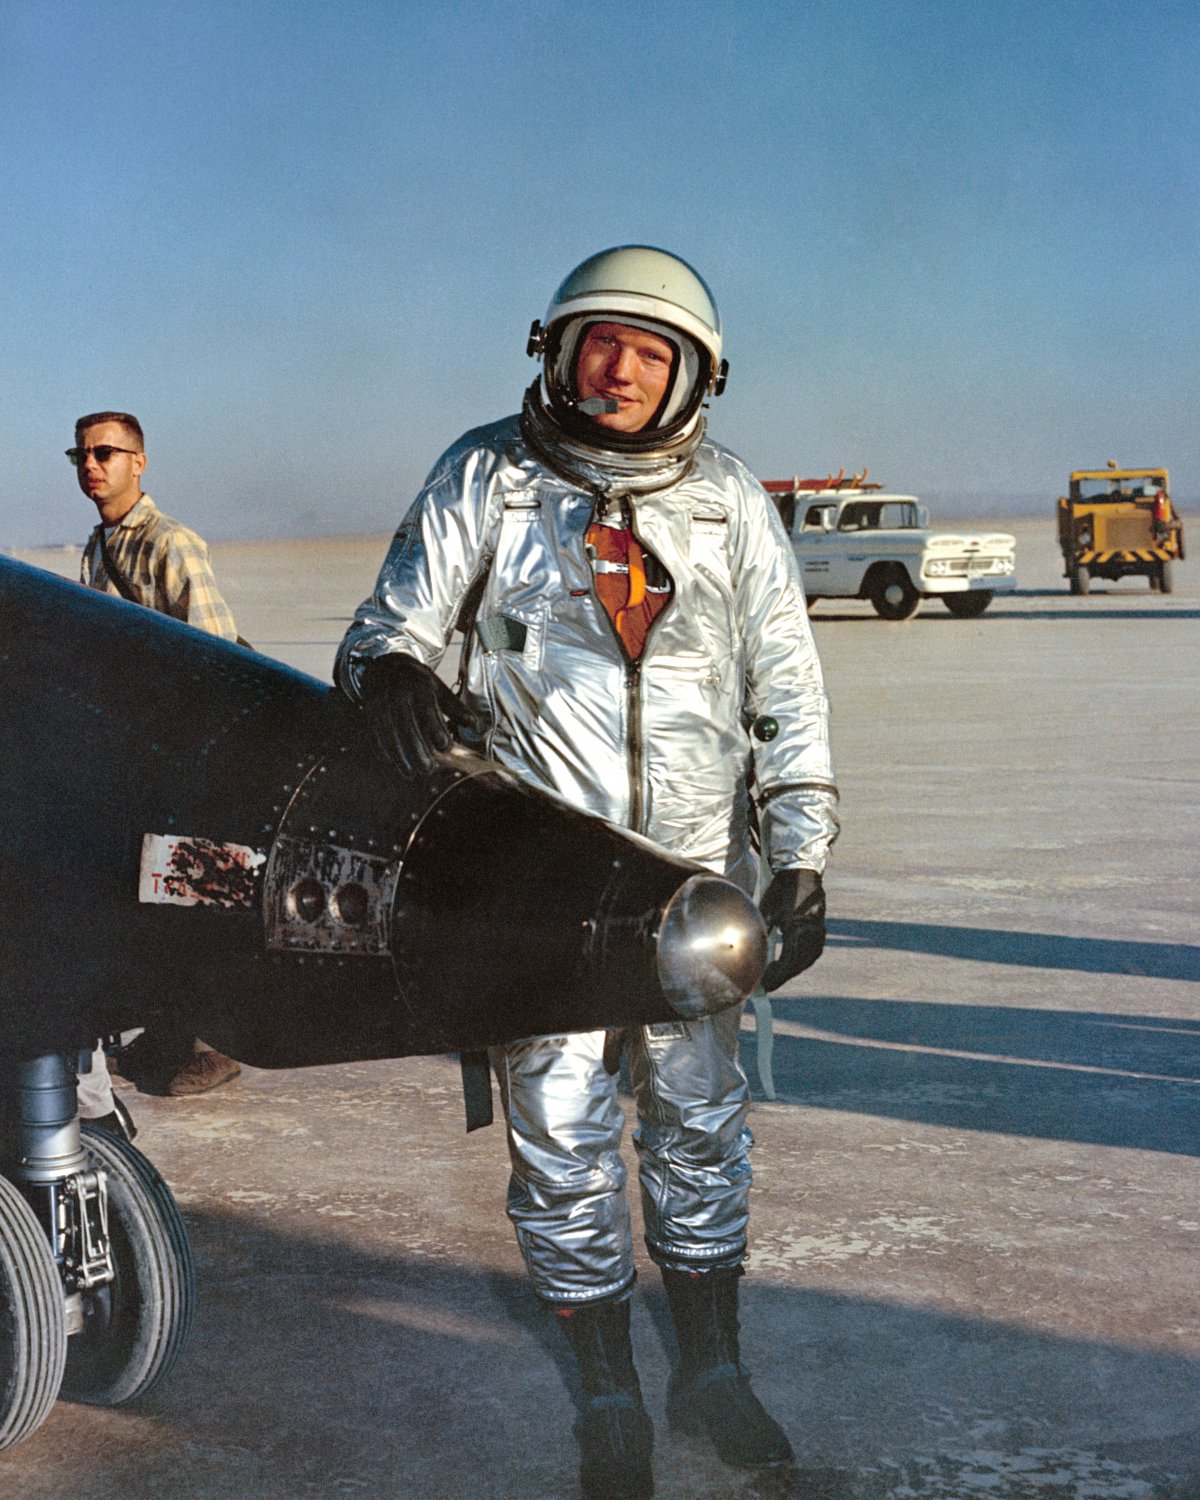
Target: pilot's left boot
[709, 1394]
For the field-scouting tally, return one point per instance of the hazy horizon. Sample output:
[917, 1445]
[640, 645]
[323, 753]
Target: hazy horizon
[304, 243]
[946, 509]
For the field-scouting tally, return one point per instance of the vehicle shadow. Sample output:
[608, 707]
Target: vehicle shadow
[1087, 1077]
[387, 1374]
[1085, 613]
[1038, 950]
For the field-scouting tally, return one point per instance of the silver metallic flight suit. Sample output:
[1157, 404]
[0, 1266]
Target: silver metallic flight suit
[661, 746]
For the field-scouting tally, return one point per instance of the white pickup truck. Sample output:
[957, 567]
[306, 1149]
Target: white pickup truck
[858, 543]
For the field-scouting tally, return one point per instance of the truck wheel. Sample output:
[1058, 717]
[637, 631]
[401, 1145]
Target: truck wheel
[893, 595]
[1080, 580]
[33, 1327]
[135, 1328]
[1166, 578]
[968, 606]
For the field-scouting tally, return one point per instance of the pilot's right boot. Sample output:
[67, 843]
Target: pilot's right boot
[615, 1433]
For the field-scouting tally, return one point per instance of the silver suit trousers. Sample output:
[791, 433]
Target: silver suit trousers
[566, 1195]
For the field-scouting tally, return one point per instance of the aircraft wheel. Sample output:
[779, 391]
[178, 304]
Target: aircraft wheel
[893, 595]
[33, 1330]
[968, 606]
[135, 1328]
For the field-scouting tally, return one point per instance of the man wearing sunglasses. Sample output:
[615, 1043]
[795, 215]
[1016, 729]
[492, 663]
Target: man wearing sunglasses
[144, 556]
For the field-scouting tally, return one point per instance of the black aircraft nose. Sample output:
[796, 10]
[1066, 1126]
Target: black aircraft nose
[712, 947]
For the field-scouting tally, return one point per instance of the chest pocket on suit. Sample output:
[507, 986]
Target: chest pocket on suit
[708, 541]
[520, 509]
[708, 553]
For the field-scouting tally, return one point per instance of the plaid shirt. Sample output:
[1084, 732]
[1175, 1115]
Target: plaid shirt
[165, 564]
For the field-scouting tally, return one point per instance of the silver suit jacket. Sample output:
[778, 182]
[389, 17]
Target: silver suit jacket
[664, 746]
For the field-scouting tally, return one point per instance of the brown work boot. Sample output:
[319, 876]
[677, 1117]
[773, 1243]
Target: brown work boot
[204, 1071]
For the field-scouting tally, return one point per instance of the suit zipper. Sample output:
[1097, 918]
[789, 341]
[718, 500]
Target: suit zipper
[633, 682]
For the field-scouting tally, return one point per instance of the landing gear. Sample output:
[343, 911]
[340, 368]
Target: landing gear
[33, 1328]
[96, 1276]
[135, 1326]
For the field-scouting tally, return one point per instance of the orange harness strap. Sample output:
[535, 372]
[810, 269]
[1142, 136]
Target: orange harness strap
[619, 567]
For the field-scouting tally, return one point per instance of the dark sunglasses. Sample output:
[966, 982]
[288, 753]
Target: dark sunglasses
[103, 452]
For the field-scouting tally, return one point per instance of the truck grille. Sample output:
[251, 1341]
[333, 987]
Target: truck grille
[964, 566]
[1124, 531]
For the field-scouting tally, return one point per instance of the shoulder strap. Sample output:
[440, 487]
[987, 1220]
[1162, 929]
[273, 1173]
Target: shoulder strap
[124, 588]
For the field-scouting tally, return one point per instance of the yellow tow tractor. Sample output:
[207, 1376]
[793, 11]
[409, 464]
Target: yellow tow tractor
[1116, 521]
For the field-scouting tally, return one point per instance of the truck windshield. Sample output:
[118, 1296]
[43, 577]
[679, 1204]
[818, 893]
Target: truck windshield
[1133, 487]
[878, 515]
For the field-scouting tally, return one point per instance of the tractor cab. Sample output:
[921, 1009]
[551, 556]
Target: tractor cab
[1114, 522]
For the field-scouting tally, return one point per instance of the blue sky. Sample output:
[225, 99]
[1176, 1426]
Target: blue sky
[954, 240]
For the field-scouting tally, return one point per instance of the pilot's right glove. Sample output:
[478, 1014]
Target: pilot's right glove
[411, 710]
[794, 902]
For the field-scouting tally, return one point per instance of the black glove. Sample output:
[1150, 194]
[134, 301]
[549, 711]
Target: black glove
[794, 902]
[411, 711]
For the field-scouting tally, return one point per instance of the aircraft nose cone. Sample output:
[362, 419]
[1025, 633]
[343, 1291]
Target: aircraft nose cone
[712, 947]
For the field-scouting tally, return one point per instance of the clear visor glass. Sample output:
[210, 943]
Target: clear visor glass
[685, 371]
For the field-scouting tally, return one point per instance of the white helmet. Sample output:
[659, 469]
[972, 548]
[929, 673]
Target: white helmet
[644, 288]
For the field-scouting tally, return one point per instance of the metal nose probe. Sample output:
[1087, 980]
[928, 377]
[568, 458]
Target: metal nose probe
[712, 947]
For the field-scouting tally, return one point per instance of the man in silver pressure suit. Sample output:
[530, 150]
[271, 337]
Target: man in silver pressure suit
[639, 646]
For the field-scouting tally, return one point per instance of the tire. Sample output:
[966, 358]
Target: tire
[33, 1328]
[968, 606]
[1080, 580]
[135, 1329]
[892, 594]
[1166, 578]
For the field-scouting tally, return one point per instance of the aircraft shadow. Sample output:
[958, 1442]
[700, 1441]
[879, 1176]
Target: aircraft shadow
[321, 1368]
[1035, 950]
[1088, 1077]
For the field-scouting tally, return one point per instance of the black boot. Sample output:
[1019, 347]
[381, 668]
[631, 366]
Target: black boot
[615, 1433]
[710, 1393]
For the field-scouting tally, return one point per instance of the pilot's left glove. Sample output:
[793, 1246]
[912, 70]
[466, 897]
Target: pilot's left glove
[794, 902]
[411, 711]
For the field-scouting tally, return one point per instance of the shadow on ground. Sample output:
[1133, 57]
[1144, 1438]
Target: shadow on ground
[319, 1370]
[1037, 950]
[1109, 1080]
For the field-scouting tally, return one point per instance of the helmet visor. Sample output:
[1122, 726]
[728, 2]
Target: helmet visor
[684, 387]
